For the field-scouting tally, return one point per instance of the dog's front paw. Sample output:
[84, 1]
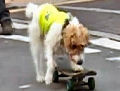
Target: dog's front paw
[78, 68]
[40, 78]
[48, 79]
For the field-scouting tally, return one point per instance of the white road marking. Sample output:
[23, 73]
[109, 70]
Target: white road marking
[26, 39]
[105, 42]
[71, 1]
[16, 37]
[91, 50]
[20, 21]
[106, 35]
[113, 59]
[92, 9]
[19, 26]
[25, 86]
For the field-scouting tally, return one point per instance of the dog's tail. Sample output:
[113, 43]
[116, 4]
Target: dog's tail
[30, 9]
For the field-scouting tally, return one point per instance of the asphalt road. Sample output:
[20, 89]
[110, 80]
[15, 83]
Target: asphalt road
[98, 21]
[16, 69]
[16, 66]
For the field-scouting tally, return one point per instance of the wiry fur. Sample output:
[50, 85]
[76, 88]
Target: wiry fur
[42, 47]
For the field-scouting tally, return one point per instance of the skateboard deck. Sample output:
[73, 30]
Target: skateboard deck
[78, 73]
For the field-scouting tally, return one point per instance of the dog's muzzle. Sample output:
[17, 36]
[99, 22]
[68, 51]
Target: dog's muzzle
[80, 62]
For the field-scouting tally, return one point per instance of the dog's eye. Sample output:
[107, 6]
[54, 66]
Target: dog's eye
[73, 46]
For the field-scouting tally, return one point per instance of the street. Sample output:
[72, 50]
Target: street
[16, 65]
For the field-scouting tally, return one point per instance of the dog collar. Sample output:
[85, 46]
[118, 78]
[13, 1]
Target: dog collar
[67, 21]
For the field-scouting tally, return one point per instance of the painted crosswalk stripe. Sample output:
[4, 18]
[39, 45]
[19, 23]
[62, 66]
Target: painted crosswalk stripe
[91, 50]
[92, 9]
[113, 59]
[25, 86]
[20, 25]
[26, 39]
[107, 43]
[16, 37]
[20, 21]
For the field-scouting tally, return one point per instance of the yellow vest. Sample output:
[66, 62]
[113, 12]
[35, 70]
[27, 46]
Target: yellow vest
[49, 15]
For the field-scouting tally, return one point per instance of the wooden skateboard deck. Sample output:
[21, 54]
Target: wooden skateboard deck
[78, 73]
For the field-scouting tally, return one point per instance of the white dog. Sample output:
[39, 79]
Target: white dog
[49, 27]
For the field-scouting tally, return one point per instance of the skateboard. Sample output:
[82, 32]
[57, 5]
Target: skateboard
[64, 69]
[76, 78]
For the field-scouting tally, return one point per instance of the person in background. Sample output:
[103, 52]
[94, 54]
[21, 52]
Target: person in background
[5, 20]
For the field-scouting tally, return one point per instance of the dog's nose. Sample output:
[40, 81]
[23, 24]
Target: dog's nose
[80, 62]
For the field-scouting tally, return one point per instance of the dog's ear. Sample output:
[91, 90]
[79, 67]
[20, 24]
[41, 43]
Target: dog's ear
[68, 35]
[84, 34]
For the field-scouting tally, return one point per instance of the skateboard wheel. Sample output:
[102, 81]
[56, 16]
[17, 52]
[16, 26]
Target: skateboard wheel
[70, 85]
[91, 83]
[55, 76]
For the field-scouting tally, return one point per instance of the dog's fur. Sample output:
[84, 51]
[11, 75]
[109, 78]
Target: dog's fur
[74, 36]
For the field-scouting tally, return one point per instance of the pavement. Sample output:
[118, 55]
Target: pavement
[92, 15]
[100, 21]
[22, 3]
[16, 65]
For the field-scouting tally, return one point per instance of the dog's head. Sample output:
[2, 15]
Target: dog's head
[75, 39]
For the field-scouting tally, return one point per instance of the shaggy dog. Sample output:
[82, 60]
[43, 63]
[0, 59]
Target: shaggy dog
[48, 28]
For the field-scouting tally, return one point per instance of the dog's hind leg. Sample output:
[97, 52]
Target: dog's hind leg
[35, 49]
[35, 44]
[41, 63]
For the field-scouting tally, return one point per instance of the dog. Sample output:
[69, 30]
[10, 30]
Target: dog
[49, 27]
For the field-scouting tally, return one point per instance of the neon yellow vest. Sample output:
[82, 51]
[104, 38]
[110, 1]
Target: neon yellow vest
[49, 15]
